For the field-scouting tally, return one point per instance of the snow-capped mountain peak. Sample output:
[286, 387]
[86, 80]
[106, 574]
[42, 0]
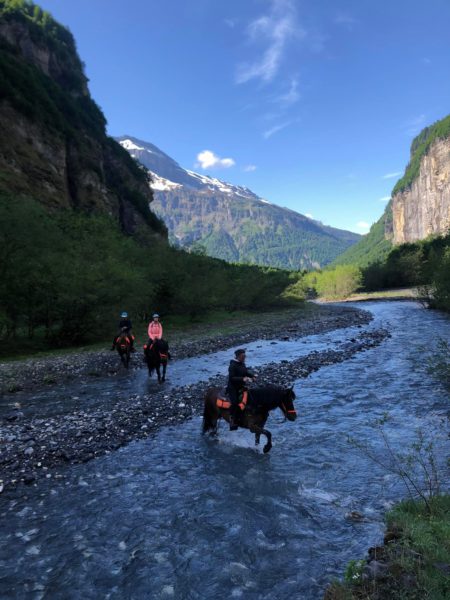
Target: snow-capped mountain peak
[168, 174]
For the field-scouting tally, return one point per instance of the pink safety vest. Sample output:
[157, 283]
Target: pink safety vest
[155, 330]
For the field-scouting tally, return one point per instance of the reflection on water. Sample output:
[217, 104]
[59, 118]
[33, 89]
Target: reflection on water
[179, 516]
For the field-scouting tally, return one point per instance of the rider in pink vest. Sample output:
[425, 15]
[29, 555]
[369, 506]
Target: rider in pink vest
[155, 330]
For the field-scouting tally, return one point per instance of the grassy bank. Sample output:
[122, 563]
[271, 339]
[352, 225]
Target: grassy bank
[413, 563]
[396, 294]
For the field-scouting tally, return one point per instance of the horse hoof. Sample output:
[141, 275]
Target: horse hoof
[267, 448]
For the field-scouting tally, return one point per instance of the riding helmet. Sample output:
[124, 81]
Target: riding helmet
[124, 315]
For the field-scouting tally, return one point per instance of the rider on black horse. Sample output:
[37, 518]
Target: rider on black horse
[238, 377]
[125, 326]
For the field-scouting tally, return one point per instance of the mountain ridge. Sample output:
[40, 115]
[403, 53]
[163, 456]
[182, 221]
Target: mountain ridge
[231, 221]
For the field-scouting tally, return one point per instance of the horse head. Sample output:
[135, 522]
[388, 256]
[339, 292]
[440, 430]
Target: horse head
[287, 404]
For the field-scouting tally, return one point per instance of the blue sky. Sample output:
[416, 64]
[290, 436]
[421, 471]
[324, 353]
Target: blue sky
[311, 103]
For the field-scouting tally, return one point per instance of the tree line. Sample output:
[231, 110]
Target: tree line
[424, 264]
[65, 277]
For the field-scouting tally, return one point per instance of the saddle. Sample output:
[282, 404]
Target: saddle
[124, 343]
[226, 404]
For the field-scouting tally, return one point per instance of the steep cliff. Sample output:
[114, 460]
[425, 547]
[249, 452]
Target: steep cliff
[54, 147]
[421, 199]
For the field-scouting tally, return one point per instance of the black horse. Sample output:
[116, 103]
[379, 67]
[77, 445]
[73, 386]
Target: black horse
[156, 354]
[123, 345]
[260, 402]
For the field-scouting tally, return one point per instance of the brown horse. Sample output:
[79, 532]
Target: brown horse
[260, 402]
[123, 346]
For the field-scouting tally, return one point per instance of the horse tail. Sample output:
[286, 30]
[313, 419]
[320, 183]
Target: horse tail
[209, 412]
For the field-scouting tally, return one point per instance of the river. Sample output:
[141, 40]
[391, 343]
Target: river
[180, 516]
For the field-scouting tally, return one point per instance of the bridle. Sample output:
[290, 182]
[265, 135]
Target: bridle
[283, 406]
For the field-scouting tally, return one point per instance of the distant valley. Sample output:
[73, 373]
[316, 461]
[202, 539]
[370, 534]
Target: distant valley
[231, 222]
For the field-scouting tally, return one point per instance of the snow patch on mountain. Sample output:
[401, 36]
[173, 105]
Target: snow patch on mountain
[129, 145]
[162, 185]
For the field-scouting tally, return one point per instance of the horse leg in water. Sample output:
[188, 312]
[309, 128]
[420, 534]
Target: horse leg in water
[158, 370]
[123, 358]
[258, 431]
[164, 366]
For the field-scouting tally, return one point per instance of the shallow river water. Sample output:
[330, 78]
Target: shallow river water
[180, 516]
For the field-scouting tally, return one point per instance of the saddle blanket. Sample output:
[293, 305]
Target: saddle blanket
[226, 404]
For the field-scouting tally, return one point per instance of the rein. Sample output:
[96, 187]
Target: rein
[287, 412]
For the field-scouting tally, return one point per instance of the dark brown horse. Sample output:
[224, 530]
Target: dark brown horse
[156, 354]
[123, 346]
[260, 402]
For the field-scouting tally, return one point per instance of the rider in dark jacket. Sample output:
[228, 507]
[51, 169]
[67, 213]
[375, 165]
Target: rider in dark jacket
[238, 377]
[125, 325]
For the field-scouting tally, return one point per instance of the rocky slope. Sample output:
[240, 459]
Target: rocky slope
[53, 145]
[231, 222]
[423, 209]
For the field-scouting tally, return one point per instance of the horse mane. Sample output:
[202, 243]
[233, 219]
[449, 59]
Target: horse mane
[267, 394]
[161, 345]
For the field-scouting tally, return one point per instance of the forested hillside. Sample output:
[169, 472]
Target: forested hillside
[373, 247]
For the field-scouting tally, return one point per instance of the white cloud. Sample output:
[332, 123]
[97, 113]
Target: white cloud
[250, 168]
[391, 175]
[384, 199]
[363, 225]
[270, 132]
[207, 160]
[292, 96]
[309, 216]
[276, 30]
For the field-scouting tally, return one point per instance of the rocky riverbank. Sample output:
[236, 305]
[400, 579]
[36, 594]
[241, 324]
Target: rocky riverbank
[36, 448]
[44, 372]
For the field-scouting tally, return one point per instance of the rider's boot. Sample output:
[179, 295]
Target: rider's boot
[233, 418]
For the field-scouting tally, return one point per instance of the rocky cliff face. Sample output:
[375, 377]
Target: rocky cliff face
[60, 63]
[424, 208]
[53, 146]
